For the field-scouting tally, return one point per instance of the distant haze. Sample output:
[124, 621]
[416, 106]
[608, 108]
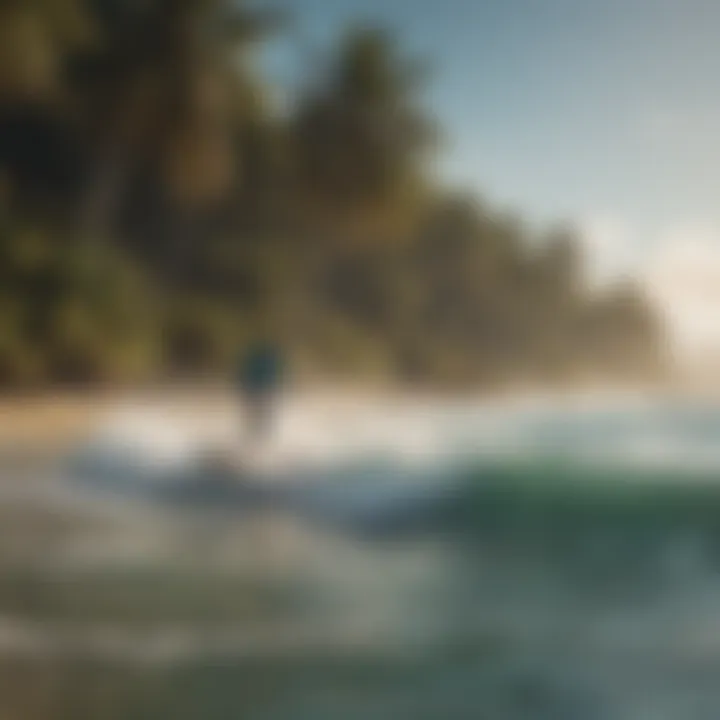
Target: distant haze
[680, 274]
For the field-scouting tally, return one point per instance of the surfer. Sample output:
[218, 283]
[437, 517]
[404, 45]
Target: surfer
[259, 379]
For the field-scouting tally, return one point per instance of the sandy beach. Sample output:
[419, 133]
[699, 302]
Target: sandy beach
[54, 419]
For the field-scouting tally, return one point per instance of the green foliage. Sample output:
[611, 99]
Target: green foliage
[200, 337]
[70, 312]
[158, 211]
[361, 141]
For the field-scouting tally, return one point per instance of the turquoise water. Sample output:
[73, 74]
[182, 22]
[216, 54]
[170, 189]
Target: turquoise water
[540, 561]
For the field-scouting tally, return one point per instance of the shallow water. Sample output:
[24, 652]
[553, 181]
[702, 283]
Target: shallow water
[526, 560]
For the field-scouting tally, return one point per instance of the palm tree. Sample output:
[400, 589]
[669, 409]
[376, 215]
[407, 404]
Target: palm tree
[164, 96]
[360, 137]
[35, 38]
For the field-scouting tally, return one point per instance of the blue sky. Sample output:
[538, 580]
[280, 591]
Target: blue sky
[601, 112]
[566, 107]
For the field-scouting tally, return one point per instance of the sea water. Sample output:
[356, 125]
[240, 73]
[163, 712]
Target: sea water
[563, 563]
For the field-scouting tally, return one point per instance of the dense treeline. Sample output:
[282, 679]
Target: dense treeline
[158, 208]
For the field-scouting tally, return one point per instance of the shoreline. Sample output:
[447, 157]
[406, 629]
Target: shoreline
[63, 415]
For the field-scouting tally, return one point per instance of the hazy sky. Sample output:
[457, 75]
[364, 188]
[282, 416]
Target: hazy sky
[604, 112]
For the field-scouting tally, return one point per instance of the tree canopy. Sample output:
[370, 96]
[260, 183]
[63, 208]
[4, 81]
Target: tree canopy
[156, 208]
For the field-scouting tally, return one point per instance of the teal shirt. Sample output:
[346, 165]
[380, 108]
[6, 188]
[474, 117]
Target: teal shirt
[261, 370]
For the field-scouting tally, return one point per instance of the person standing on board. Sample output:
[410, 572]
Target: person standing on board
[260, 377]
